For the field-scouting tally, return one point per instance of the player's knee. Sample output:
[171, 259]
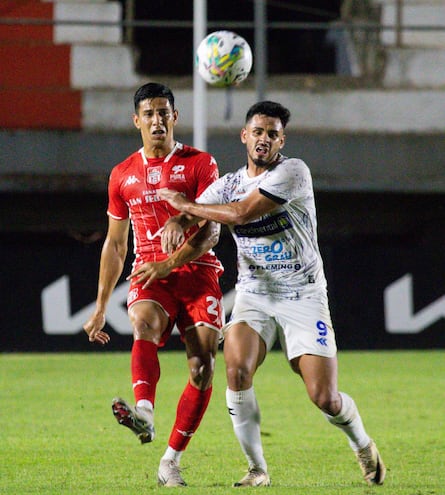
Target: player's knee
[143, 331]
[239, 377]
[325, 401]
[202, 371]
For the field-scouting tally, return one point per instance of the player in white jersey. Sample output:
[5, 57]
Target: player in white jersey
[281, 289]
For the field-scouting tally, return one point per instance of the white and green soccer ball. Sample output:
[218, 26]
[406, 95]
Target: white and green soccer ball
[224, 58]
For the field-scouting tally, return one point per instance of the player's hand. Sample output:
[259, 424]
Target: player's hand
[175, 198]
[150, 271]
[93, 327]
[172, 237]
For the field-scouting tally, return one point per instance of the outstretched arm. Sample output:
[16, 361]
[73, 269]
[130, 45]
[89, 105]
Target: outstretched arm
[236, 213]
[114, 252]
[198, 244]
[174, 229]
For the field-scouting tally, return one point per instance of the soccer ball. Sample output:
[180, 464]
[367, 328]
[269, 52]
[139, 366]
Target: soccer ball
[224, 58]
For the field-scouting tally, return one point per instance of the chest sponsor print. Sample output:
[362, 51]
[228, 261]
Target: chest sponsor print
[177, 174]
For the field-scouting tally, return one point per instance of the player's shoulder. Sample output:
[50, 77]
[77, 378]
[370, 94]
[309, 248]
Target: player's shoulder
[287, 161]
[289, 165]
[127, 163]
[194, 154]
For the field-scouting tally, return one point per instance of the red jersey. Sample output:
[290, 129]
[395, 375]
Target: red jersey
[133, 193]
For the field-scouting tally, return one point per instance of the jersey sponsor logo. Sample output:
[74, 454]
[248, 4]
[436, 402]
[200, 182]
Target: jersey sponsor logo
[151, 198]
[275, 267]
[135, 201]
[131, 179]
[268, 226]
[151, 236]
[177, 175]
[154, 175]
[272, 252]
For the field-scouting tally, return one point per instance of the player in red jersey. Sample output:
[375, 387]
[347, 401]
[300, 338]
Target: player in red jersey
[179, 288]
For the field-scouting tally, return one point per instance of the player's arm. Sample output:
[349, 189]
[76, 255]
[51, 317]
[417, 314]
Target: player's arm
[173, 233]
[114, 252]
[196, 245]
[236, 213]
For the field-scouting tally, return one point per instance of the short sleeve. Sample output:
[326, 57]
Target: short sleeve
[117, 208]
[289, 180]
[207, 172]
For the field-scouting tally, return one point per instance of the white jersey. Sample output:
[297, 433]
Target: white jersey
[278, 253]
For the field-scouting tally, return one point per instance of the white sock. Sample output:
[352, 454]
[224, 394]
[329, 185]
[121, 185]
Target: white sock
[245, 415]
[172, 455]
[350, 422]
[145, 404]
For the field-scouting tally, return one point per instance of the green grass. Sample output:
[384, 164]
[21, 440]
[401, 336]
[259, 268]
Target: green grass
[58, 435]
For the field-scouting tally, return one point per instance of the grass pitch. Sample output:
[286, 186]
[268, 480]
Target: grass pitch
[58, 435]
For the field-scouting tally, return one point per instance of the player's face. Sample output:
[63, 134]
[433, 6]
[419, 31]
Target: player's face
[156, 119]
[264, 137]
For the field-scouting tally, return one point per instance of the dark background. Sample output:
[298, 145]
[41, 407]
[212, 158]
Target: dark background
[368, 241]
[290, 51]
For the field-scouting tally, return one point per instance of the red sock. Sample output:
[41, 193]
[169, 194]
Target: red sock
[191, 408]
[145, 370]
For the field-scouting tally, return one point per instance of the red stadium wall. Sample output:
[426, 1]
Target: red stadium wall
[35, 72]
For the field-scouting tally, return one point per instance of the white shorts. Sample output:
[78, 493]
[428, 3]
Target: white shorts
[303, 325]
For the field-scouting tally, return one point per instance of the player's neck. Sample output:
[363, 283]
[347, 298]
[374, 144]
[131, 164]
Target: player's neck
[159, 151]
[255, 169]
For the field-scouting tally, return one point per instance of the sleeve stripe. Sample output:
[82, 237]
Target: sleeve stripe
[278, 200]
[115, 217]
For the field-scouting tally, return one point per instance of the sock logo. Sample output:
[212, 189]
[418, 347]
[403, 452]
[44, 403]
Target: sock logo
[140, 382]
[185, 433]
[231, 411]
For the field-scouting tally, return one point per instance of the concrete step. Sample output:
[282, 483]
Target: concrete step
[415, 67]
[40, 65]
[89, 12]
[349, 110]
[419, 13]
[40, 108]
[76, 1]
[68, 66]
[30, 10]
[103, 66]
[63, 12]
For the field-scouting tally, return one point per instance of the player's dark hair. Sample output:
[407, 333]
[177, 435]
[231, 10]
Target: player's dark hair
[153, 90]
[270, 109]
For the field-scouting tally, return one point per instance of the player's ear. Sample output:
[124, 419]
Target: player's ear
[136, 121]
[283, 141]
[243, 135]
[175, 116]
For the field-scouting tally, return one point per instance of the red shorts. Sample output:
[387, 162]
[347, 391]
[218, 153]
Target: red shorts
[190, 296]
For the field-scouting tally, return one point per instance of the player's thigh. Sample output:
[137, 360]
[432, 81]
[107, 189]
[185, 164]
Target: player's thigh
[148, 319]
[319, 375]
[201, 341]
[244, 349]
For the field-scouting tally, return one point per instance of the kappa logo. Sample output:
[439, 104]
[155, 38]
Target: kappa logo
[132, 179]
